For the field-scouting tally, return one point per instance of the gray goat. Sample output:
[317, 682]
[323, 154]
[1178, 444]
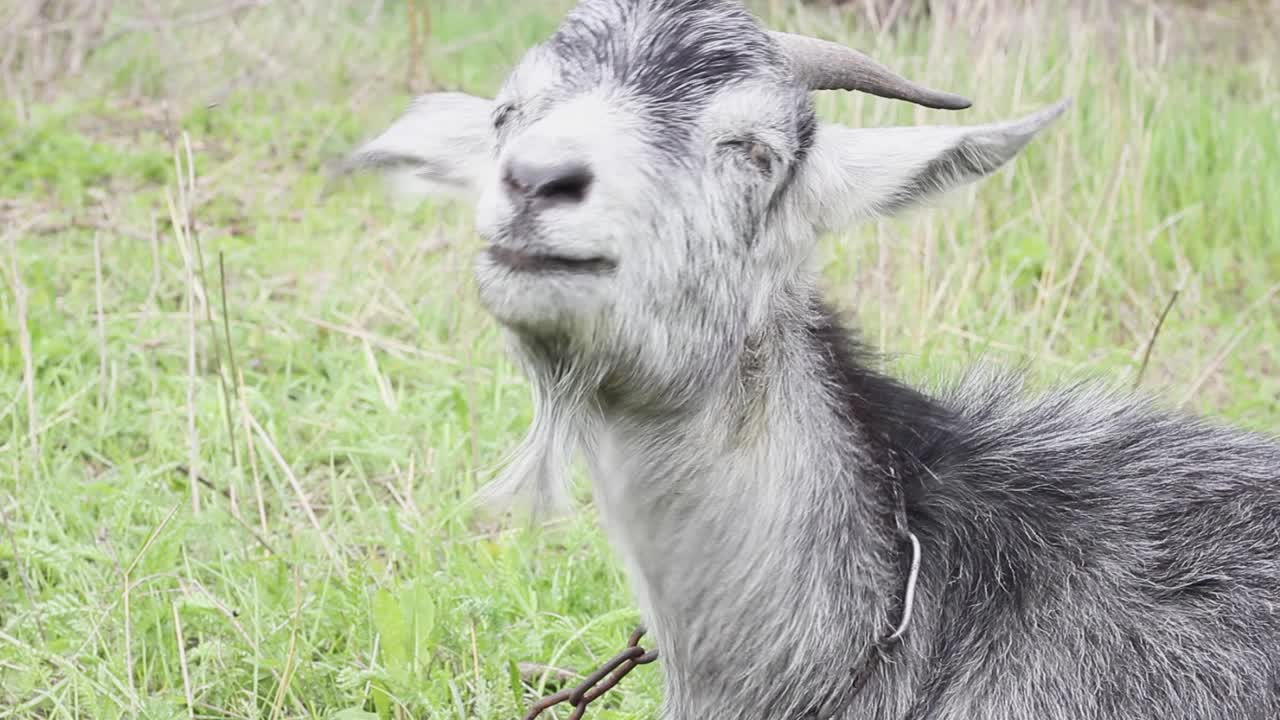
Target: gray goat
[650, 182]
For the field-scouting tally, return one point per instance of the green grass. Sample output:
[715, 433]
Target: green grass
[332, 565]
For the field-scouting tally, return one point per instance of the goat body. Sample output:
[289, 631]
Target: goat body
[1086, 555]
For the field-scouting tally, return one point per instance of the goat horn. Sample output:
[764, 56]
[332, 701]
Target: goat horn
[822, 65]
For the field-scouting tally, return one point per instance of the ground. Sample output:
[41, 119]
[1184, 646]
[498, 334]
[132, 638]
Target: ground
[240, 417]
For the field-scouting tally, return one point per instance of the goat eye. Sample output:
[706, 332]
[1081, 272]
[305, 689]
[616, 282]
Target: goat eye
[754, 152]
[502, 115]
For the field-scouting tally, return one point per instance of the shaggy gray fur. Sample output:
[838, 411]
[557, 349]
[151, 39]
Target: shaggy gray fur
[1086, 555]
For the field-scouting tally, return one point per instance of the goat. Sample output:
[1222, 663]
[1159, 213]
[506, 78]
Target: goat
[650, 182]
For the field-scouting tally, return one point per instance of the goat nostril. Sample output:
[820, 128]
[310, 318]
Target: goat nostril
[571, 186]
[561, 182]
[511, 184]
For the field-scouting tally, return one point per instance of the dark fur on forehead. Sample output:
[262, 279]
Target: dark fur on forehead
[674, 54]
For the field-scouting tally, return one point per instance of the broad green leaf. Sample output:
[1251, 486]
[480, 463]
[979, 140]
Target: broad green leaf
[382, 700]
[388, 619]
[420, 613]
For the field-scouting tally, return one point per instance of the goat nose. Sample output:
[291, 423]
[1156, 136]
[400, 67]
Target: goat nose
[547, 183]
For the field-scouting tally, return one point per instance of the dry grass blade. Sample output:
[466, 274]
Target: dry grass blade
[251, 451]
[537, 672]
[419, 27]
[291, 657]
[21, 566]
[383, 343]
[1155, 333]
[231, 360]
[151, 538]
[303, 500]
[67, 667]
[385, 391]
[203, 277]
[126, 599]
[182, 661]
[1221, 356]
[181, 231]
[24, 347]
[101, 324]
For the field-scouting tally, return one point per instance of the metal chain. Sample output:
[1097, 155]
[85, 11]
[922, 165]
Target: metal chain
[600, 681]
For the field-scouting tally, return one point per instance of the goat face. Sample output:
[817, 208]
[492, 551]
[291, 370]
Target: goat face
[650, 180]
[640, 157]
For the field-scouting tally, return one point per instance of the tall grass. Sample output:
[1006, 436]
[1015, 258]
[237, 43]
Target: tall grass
[240, 493]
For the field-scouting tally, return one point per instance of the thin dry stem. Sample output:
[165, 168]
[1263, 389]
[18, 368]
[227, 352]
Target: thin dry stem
[126, 591]
[385, 391]
[384, 343]
[193, 440]
[297, 488]
[537, 672]
[198, 251]
[251, 451]
[126, 597]
[180, 216]
[102, 323]
[182, 661]
[415, 45]
[1086, 243]
[290, 663]
[28, 363]
[1221, 356]
[231, 360]
[65, 666]
[21, 566]
[1155, 333]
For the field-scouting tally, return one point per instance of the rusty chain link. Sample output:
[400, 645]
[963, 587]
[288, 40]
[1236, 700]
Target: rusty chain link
[600, 681]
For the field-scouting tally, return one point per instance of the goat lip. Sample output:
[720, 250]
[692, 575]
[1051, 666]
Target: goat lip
[537, 260]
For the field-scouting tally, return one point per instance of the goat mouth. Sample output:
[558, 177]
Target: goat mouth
[541, 261]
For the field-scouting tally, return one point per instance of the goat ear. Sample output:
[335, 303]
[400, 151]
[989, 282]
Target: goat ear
[440, 146]
[858, 174]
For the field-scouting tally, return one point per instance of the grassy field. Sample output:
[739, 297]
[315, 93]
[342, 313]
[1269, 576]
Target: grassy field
[240, 420]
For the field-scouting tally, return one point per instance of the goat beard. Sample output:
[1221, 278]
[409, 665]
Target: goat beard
[536, 476]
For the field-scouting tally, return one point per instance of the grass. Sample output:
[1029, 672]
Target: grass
[239, 421]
